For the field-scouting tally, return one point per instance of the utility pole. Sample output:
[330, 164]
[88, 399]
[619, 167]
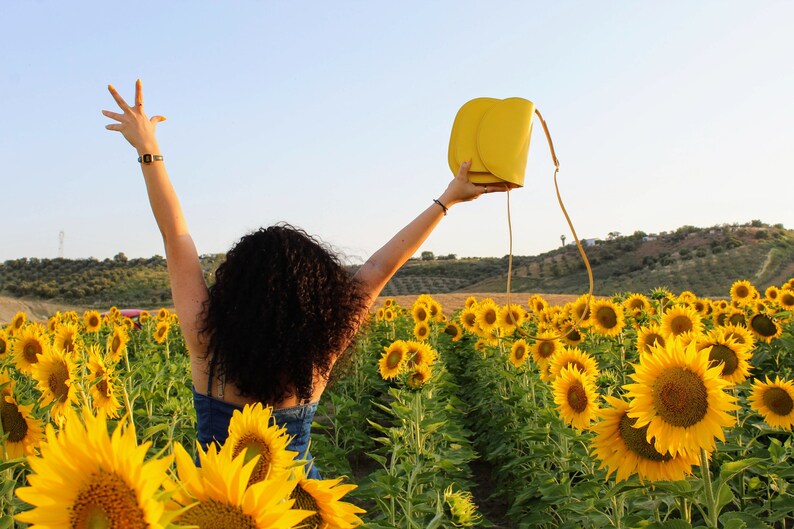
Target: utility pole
[562, 238]
[61, 237]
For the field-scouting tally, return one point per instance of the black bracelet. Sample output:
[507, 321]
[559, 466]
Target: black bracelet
[442, 205]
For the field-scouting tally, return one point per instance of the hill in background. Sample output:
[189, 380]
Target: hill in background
[704, 260]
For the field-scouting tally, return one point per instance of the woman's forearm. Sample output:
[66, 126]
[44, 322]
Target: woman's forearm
[163, 199]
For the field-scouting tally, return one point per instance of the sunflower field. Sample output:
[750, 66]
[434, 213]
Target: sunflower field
[654, 410]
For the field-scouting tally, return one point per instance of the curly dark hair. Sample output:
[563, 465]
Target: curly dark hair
[281, 309]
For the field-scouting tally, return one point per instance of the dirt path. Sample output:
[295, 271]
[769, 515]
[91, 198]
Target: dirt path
[35, 309]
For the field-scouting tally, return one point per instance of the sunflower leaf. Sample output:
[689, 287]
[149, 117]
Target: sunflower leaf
[731, 468]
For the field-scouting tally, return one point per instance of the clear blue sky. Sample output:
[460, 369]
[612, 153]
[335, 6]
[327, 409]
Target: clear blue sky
[335, 116]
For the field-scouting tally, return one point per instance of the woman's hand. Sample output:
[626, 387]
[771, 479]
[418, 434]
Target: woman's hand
[133, 123]
[462, 190]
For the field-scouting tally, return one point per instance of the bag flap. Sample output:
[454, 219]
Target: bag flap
[503, 138]
[463, 139]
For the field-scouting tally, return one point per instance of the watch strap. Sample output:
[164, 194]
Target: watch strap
[149, 158]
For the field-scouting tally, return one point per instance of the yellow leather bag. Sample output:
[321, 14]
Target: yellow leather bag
[494, 134]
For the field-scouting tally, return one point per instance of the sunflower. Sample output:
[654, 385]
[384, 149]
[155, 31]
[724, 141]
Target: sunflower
[763, 326]
[216, 493]
[454, 330]
[743, 292]
[29, 346]
[680, 398]
[702, 306]
[17, 322]
[163, 314]
[419, 354]
[536, 303]
[582, 310]
[67, 339]
[624, 449]
[509, 318]
[468, 319]
[576, 359]
[461, 507]
[545, 347]
[393, 359]
[519, 353]
[323, 497]
[735, 317]
[740, 333]
[55, 373]
[23, 430]
[637, 304]
[775, 401]
[160, 333]
[418, 377]
[117, 343]
[786, 299]
[255, 432]
[648, 337]
[388, 314]
[92, 321]
[470, 301]
[4, 347]
[107, 482]
[575, 397]
[679, 320]
[420, 312]
[732, 356]
[388, 302]
[379, 313]
[571, 335]
[436, 312]
[487, 316]
[422, 331]
[103, 384]
[606, 317]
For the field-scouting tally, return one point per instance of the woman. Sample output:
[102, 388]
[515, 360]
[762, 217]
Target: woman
[282, 309]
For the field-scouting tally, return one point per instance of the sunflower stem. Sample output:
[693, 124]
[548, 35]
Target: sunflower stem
[711, 501]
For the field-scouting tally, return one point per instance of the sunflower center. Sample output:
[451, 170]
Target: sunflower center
[636, 304]
[607, 317]
[393, 359]
[490, 317]
[103, 388]
[787, 299]
[763, 325]
[105, 502]
[57, 382]
[722, 354]
[680, 397]
[31, 352]
[469, 319]
[736, 318]
[254, 446]
[636, 440]
[14, 423]
[779, 401]
[115, 345]
[576, 365]
[68, 344]
[577, 397]
[2, 346]
[742, 291]
[306, 502]
[451, 330]
[421, 314]
[546, 349]
[520, 351]
[93, 321]
[574, 335]
[215, 515]
[651, 340]
[681, 324]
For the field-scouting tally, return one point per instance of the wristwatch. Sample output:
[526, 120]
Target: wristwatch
[149, 158]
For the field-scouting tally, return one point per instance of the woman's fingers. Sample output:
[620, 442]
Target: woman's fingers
[138, 93]
[120, 100]
[463, 171]
[113, 115]
[113, 126]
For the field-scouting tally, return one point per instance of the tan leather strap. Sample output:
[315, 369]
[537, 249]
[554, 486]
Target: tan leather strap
[575, 238]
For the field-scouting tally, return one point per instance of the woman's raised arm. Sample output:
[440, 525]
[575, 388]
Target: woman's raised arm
[188, 288]
[376, 272]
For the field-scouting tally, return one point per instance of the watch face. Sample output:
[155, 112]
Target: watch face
[147, 158]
